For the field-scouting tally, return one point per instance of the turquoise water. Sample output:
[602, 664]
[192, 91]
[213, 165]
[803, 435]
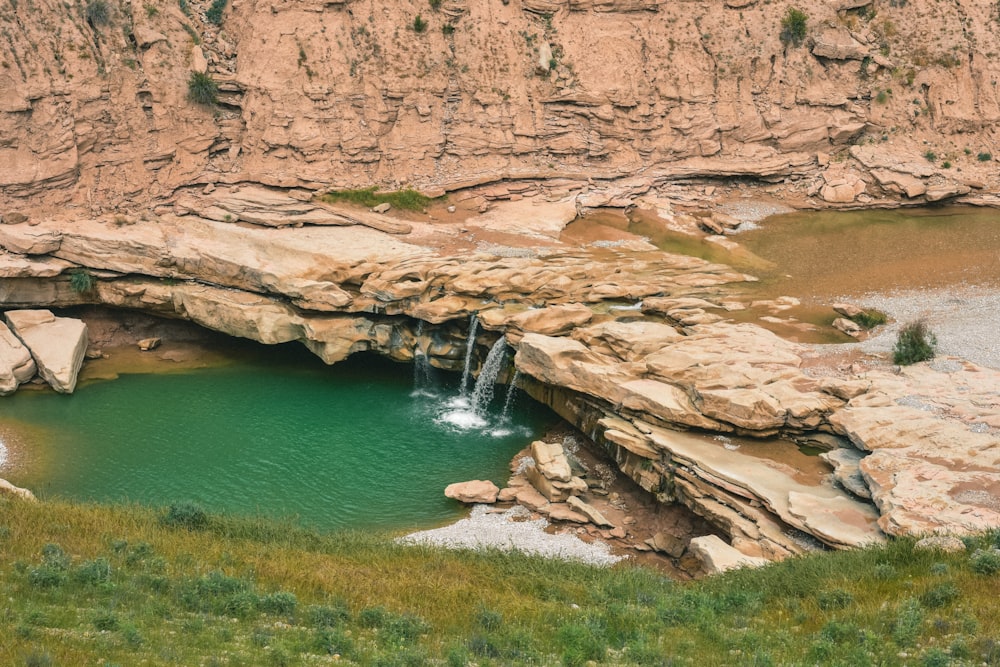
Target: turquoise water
[347, 446]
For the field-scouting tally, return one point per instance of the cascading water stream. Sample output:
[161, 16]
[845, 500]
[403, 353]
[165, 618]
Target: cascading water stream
[482, 394]
[470, 347]
[508, 401]
[423, 378]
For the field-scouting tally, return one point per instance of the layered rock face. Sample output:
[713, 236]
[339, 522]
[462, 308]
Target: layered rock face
[630, 344]
[580, 95]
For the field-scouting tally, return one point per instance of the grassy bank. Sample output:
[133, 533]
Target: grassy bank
[119, 586]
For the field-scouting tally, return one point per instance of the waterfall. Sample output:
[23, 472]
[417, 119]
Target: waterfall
[470, 347]
[509, 400]
[482, 394]
[423, 378]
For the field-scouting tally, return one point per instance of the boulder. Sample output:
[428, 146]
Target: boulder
[672, 545]
[147, 344]
[8, 489]
[58, 344]
[849, 327]
[475, 491]
[946, 543]
[16, 364]
[716, 556]
[554, 491]
[13, 218]
[551, 461]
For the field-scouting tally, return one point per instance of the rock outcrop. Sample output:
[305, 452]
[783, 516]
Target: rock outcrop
[16, 364]
[57, 344]
[314, 95]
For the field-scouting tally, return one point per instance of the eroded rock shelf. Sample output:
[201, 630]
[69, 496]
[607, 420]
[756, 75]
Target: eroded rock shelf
[630, 344]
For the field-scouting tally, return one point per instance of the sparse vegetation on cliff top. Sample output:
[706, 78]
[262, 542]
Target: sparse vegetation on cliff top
[100, 585]
[793, 27]
[202, 89]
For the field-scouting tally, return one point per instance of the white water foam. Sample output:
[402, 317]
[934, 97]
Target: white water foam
[3, 454]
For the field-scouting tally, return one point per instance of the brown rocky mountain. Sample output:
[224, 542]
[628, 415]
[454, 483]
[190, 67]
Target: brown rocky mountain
[95, 107]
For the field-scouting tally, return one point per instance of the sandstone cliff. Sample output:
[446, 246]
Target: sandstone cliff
[347, 93]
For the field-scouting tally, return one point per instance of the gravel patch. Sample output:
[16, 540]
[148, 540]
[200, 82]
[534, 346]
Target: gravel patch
[512, 530]
[965, 321]
[749, 213]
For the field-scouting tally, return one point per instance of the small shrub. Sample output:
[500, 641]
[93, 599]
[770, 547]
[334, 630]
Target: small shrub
[882, 97]
[327, 616]
[835, 599]
[419, 24]
[202, 89]
[940, 595]
[46, 576]
[185, 7]
[93, 572]
[105, 621]
[406, 628]
[81, 281]
[334, 642]
[946, 165]
[930, 156]
[488, 619]
[914, 343]
[793, 27]
[447, 29]
[985, 561]
[984, 157]
[579, 645]
[38, 660]
[214, 13]
[935, 657]
[435, 4]
[98, 13]
[241, 605]
[906, 627]
[373, 617]
[185, 515]
[280, 603]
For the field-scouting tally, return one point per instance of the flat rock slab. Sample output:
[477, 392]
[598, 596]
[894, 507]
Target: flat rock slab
[823, 511]
[16, 364]
[57, 344]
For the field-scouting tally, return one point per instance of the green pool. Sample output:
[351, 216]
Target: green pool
[347, 446]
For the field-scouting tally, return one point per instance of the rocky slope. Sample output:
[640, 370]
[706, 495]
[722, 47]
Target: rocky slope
[881, 102]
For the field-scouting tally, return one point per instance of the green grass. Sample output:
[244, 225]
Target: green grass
[102, 585]
[81, 280]
[869, 319]
[214, 13]
[407, 200]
